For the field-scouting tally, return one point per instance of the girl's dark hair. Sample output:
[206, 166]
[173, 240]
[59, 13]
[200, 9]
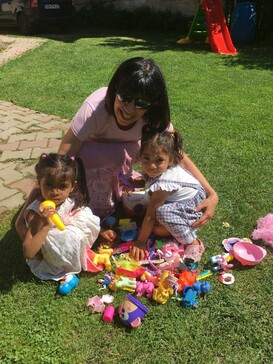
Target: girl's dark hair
[65, 167]
[141, 77]
[171, 143]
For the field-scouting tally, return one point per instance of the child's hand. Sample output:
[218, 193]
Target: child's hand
[139, 251]
[108, 235]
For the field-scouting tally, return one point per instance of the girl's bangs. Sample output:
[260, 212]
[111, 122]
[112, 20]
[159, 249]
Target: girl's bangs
[58, 176]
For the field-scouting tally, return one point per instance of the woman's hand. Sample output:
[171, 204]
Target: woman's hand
[209, 206]
[139, 251]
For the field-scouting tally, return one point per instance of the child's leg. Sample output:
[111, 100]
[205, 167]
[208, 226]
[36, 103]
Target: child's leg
[178, 220]
[160, 231]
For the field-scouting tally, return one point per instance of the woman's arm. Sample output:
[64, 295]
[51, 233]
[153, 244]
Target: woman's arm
[70, 144]
[20, 225]
[138, 251]
[209, 205]
[35, 235]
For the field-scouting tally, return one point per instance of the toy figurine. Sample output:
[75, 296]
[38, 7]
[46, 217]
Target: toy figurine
[100, 259]
[69, 282]
[221, 262]
[190, 293]
[144, 287]
[164, 290]
[186, 278]
[126, 283]
[189, 300]
[131, 311]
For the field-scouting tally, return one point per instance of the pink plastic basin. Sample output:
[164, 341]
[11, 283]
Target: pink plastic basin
[247, 253]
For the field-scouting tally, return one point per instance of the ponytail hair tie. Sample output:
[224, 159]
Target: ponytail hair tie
[72, 158]
[44, 155]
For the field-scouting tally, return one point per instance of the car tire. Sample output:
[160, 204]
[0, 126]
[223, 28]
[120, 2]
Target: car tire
[24, 24]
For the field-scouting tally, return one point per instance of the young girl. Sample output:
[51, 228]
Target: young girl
[174, 195]
[50, 252]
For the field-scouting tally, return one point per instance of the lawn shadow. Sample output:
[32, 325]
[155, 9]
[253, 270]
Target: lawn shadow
[13, 267]
[258, 55]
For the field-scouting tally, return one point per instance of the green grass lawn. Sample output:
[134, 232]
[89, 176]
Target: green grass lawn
[223, 107]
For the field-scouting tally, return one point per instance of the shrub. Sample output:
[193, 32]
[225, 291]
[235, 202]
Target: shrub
[101, 16]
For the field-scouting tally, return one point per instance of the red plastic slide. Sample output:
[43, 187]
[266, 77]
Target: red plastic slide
[219, 37]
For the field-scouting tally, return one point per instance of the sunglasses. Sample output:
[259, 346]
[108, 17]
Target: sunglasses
[139, 103]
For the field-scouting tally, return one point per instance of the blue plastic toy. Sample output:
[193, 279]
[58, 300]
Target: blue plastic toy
[189, 300]
[67, 284]
[129, 235]
[190, 293]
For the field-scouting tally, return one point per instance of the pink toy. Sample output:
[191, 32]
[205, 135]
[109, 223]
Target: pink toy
[264, 230]
[144, 287]
[247, 253]
[96, 303]
[222, 262]
[108, 314]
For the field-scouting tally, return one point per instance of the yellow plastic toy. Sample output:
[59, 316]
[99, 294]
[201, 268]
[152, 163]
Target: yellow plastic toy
[55, 218]
[162, 293]
[102, 258]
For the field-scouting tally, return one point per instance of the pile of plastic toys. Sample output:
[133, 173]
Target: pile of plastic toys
[164, 276]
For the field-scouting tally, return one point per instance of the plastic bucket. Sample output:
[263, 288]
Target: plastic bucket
[243, 29]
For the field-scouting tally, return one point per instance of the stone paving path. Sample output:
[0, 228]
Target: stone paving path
[16, 46]
[24, 135]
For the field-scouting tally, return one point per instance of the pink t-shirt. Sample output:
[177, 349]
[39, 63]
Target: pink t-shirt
[92, 121]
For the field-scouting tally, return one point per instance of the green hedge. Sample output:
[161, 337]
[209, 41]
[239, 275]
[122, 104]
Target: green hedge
[102, 16]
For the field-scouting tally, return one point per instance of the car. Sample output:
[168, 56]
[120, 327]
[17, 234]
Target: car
[29, 15]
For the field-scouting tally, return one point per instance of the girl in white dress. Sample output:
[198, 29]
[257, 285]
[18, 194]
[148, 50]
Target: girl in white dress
[52, 253]
[174, 195]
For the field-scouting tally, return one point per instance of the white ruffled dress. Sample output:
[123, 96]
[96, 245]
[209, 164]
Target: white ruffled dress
[64, 251]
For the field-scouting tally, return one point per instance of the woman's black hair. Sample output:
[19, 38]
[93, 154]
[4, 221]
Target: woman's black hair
[65, 167]
[171, 143]
[141, 77]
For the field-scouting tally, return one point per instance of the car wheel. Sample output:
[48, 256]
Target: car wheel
[24, 24]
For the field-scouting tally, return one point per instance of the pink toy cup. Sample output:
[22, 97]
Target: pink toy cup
[108, 314]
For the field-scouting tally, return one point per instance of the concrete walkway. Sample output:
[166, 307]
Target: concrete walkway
[24, 135]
